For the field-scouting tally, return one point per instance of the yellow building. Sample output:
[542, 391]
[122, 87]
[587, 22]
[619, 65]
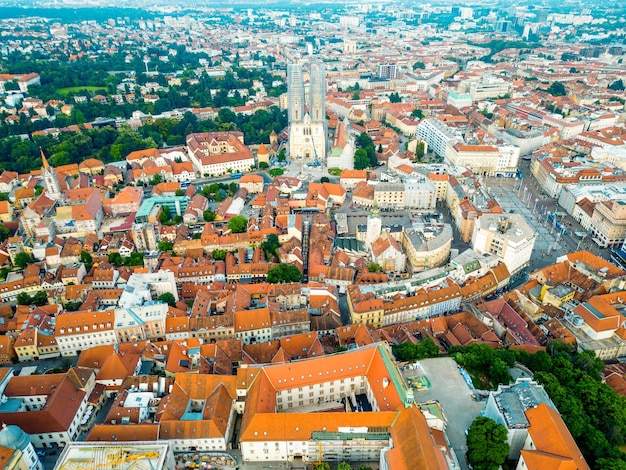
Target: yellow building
[556, 296]
[365, 308]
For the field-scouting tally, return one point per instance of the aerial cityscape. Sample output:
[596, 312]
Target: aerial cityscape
[286, 235]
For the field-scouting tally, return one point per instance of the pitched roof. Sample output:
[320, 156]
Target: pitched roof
[555, 446]
[413, 444]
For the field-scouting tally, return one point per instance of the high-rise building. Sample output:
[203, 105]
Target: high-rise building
[307, 120]
[389, 71]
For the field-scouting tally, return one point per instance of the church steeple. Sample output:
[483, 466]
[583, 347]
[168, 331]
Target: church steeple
[50, 180]
[44, 161]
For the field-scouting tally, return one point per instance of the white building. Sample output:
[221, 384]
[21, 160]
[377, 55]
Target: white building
[437, 135]
[507, 405]
[486, 160]
[489, 87]
[307, 129]
[76, 331]
[144, 287]
[217, 153]
[507, 236]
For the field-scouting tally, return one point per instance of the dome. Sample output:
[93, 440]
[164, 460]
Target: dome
[348, 150]
[13, 437]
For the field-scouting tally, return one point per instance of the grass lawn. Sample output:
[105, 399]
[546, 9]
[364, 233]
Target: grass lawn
[334, 171]
[72, 89]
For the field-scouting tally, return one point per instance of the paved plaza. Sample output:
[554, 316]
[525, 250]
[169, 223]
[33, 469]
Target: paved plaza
[448, 387]
[514, 197]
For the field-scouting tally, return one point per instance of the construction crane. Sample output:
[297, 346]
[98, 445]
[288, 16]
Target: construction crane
[317, 160]
[113, 462]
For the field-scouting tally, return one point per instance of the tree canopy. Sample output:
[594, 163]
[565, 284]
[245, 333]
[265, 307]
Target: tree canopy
[284, 273]
[168, 298]
[487, 445]
[361, 160]
[557, 89]
[238, 224]
[414, 352]
[593, 412]
[23, 259]
[270, 246]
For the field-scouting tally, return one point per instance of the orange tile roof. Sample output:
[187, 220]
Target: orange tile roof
[414, 446]
[555, 446]
[130, 432]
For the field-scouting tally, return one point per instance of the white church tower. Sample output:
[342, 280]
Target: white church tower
[307, 119]
[374, 227]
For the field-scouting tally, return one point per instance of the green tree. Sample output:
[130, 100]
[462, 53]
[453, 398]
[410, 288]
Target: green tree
[208, 215]
[86, 259]
[274, 172]
[238, 224]
[322, 466]
[180, 192]
[73, 306]
[219, 255]
[115, 259]
[165, 245]
[165, 216]
[270, 246]
[557, 89]
[617, 85]
[23, 259]
[23, 299]
[420, 150]
[135, 259]
[39, 298]
[417, 113]
[395, 97]
[168, 298]
[4, 233]
[282, 155]
[344, 466]
[415, 352]
[263, 165]
[284, 273]
[324, 179]
[356, 95]
[156, 179]
[361, 159]
[610, 464]
[419, 65]
[487, 446]
[374, 267]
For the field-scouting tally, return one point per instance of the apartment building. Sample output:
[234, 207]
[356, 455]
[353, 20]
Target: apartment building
[437, 135]
[76, 331]
[608, 223]
[49, 407]
[488, 160]
[507, 236]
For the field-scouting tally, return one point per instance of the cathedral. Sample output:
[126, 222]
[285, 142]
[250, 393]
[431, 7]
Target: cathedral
[307, 119]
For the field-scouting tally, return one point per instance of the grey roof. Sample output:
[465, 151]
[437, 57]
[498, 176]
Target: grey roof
[514, 400]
